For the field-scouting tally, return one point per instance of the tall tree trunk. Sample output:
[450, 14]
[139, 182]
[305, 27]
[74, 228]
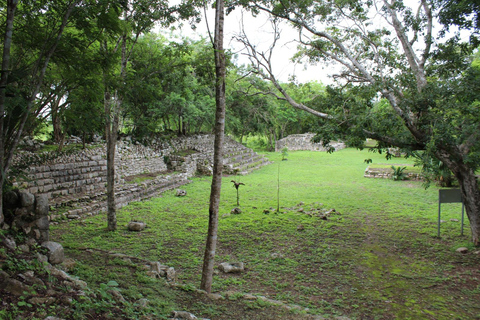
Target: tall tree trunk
[58, 134]
[471, 199]
[56, 122]
[7, 43]
[469, 188]
[112, 118]
[211, 244]
[111, 128]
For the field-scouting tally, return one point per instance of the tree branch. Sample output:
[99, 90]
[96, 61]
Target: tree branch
[261, 62]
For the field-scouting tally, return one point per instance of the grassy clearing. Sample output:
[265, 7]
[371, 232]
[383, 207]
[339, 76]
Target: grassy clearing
[376, 258]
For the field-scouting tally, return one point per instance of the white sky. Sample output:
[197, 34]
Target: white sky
[260, 32]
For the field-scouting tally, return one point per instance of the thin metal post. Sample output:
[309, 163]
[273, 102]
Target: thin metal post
[438, 228]
[463, 210]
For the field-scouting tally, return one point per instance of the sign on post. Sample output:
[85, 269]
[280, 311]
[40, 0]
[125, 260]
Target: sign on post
[449, 196]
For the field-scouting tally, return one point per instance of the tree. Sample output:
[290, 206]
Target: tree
[7, 44]
[220, 71]
[37, 36]
[431, 87]
[134, 17]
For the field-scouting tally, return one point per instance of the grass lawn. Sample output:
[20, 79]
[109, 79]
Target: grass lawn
[376, 257]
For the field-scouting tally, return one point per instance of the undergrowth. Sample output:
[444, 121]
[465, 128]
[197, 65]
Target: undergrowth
[376, 256]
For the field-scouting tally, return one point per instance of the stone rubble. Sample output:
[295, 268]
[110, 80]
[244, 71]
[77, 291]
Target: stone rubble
[304, 142]
[136, 226]
[232, 267]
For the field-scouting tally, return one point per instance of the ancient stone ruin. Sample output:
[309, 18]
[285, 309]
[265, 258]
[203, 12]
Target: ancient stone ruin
[28, 214]
[304, 142]
[75, 184]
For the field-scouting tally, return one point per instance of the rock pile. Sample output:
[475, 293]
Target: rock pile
[27, 213]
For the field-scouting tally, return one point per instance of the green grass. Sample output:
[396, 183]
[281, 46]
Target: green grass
[377, 257]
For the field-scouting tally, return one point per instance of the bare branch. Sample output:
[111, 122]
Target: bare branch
[428, 37]
[412, 59]
[261, 62]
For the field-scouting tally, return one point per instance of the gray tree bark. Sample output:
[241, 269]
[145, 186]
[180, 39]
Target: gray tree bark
[468, 183]
[111, 129]
[211, 244]
[7, 44]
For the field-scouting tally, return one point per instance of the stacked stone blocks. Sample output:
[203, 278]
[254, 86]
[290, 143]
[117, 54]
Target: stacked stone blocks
[78, 182]
[296, 142]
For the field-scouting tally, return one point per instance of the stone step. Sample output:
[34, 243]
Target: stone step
[124, 195]
[247, 166]
[247, 160]
[239, 157]
[233, 155]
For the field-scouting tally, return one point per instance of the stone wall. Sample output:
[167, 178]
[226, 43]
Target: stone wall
[387, 173]
[195, 154]
[304, 142]
[199, 142]
[133, 159]
[75, 184]
[27, 213]
[85, 171]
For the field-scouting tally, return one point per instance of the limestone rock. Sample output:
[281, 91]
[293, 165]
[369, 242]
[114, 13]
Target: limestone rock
[136, 226]
[232, 267]
[79, 284]
[159, 268]
[55, 252]
[46, 300]
[56, 272]
[41, 205]
[14, 286]
[236, 210]
[331, 211]
[27, 199]
[214, 296]
[9, 242]
[181, 193]
[30, 278]
[183, 315]
[171, 274]
[43, 223]
[462, 250]
[42, 258]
